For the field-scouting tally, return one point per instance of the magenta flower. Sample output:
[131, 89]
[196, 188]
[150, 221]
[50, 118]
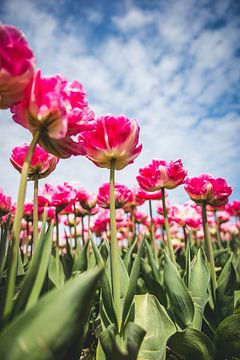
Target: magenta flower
[144, 195]
[206, 188]
[42, 163]
[88, 201]
[233, 208]
[5, 203]
[58, 110]
[161, 174]
[114, 137]
[16, 65]
[122, 195]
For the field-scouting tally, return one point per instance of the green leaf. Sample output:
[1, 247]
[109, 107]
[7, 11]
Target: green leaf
[52, 272]
[151, 315]
[227, 338]
[152, 262]
[152, 285]
[123, 278]
[226, 285]
[54, 326]
[36, 273]
[198, 287]
[128, 256]
[81, 261]
[178, 293]
[132, 283]
[125, 348]
[191, 344]
[3, 244]
[105, 287]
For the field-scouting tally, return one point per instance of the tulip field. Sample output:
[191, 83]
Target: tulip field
[100, 276]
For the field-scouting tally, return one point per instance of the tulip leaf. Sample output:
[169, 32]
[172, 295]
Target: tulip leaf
[56, 277]
[153, 286]
[178, 293]
[128, 256]
[226, 285]
[3, 245]
[152, 317]
[81, 261]
[227, 338]
[198, 287]
[125, 348]
[123, 277]
[191, 344]
[36, 273]
[106, 292]
[52, 328]
[132, 282]
[152, 262]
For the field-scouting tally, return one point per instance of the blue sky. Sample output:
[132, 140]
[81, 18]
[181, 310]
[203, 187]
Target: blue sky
[173, 65]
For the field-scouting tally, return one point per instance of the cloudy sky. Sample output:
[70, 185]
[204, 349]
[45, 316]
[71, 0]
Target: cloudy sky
[173, 65]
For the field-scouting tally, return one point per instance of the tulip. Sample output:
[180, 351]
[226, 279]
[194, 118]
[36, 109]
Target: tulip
[121, 193]
[161, 175]
[204, 190]
[5, 204]
[16, 65]
[55, 110]
[113, 144]
[42, 163]
[114, 138]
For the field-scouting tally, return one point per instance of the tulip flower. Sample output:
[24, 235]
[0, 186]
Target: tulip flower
[5, 204]
[113, 144]
[42, 163]
[122, 195]
[114, 138]
[55, 110]
[16, 65]
[161, 175]
[207, 190]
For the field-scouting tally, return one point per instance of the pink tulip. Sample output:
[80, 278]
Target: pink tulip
[42, 163]
[185, 214]
[134, 200]
[88, 201]
[122, 195]
[206, 188]
[16, 65]
[161, 174]
[5, 203]
[156, 195]
[233, 208]
[114, 137]
[58, 110]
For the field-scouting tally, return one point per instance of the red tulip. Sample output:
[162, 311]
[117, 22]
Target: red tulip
[58, 110]
[5, 203]
[16, 65]
[161, 174]
[114, 137]
[122, 195]
[42, 163]
[206, 188]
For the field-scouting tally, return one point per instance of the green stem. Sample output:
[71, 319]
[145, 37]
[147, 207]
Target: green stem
[217, 230]
[209, 248]
[35, 211]
[167, 229]
[75, 227]
[83, 236]
[57, 251]
[133, 222]
[17, 224]
[114, 246]
[154, 243]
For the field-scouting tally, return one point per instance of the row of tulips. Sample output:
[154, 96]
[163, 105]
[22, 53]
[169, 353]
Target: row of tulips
[146, 299]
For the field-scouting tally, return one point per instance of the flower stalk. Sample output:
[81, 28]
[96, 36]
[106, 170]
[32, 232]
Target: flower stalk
[209, 248]
[114, 248]
[154, 243]
[35, 211]
[12, 268]
[167, 229]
